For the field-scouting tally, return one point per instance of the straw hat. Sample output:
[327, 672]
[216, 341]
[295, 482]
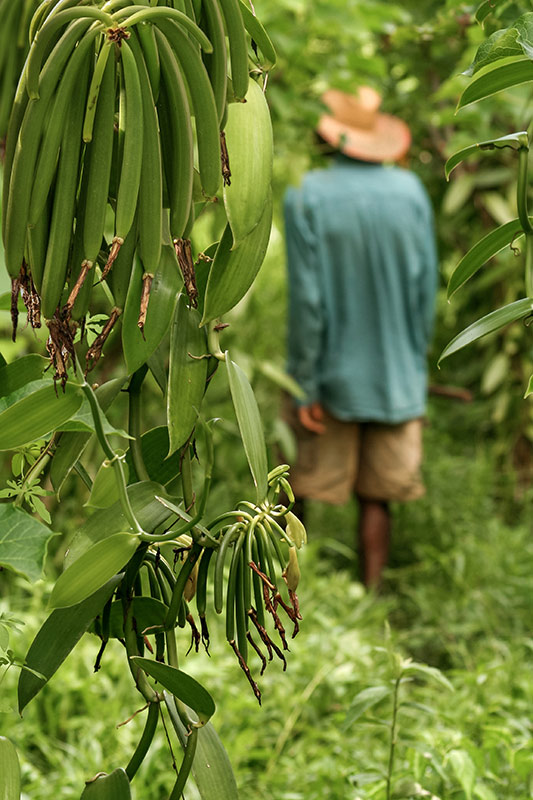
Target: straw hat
[358, 130]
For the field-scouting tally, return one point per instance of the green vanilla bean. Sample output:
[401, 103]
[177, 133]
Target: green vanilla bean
[177, 593]
[144, 742]
[529, 265]
[134, 422]
[186, 764]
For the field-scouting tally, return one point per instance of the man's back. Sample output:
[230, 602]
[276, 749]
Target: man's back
[362, 270]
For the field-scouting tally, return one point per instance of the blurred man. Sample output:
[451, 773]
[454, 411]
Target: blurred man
[362, 281]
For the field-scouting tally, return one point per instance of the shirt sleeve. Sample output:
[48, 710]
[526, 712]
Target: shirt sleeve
[305, 323]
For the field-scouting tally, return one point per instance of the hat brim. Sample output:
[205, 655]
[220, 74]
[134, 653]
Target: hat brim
[388, 140]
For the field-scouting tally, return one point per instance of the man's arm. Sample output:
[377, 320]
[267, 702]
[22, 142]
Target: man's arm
[305, 321]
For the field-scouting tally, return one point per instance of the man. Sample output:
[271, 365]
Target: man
[362, 281]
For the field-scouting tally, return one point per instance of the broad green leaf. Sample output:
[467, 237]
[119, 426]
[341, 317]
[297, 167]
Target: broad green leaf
[115, 786]
[482, 792]
[365, 700]
[23, 542]
[167, 282]
[181, 685]
[93, 569]
[250, 425]
[481, 252]
[516, 141]
[187, 373]
[57, 637]
[20, 372]
[414, 668]
[211, 767]
[104, 491]
[501, 76]
[489, 324]
[249, 142]
[529, 389]
[147, 509]
[464, 769]
[83, 421]
[37, 414]
[154, 447]
[501, 44]
[234, 269]
[9, 771]
[145, 611]
[71, 445]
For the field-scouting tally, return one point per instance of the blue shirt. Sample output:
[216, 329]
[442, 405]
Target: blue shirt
[362, 279]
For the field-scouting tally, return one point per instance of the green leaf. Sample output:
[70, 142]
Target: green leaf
[10, 771]
[104, 491]
[166, 284]
[181, 685]
[489, 324]
[148, 511]
[465, 770]
[415, 668]
[501, 76]
[486, 8]
[71, 445]
[481, 252]
[365, 700]
[501, 44]
[187, 373]
[115, 786]
[24, 420]
[234, 269]
[20, 372]
[529, 389]
[250, 426]
[154, 446]
[57, 637]
[248, 133]
[279, 377]
[516, 141]
[92, 569]
[23, 542]
[211, 767]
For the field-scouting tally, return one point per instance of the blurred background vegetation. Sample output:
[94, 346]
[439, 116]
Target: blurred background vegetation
[458, 594]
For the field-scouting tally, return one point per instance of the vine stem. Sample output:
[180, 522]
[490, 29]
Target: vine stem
[393, 736]
[114, 460]
[521, 190]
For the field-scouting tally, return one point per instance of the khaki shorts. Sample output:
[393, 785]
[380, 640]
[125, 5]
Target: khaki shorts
[371, 459]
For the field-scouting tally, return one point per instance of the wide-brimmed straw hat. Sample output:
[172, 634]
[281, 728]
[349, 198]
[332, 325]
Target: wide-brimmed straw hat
[357, 129]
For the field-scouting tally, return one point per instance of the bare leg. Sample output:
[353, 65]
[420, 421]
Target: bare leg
[374, 536]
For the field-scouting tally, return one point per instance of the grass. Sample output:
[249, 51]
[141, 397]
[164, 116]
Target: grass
[458, 598]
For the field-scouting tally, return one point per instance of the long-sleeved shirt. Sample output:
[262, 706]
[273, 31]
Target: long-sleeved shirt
[362, 279]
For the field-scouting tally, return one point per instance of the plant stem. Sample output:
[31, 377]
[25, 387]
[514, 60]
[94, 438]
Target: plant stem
[114, 460]
[186, 764]
[529, 265]
[134, 422]
[145, 741]
[393, 733]
[521, 190]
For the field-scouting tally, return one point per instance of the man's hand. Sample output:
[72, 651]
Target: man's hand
[311, 417]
